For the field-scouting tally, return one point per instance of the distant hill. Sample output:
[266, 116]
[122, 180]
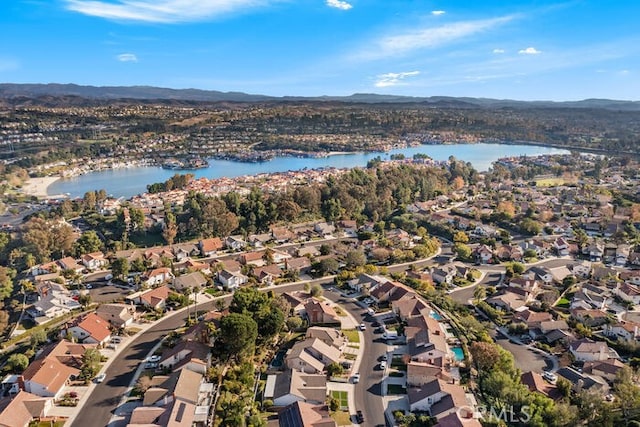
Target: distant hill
[72, 94]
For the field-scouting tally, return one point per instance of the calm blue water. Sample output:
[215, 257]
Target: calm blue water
[435, 315]
[458, 354]
[129, 182]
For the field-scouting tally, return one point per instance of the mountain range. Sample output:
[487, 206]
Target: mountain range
[52, 93]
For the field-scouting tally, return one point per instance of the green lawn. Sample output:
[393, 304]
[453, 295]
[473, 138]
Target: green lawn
[352, 335]
[341, 396]
[563, 303]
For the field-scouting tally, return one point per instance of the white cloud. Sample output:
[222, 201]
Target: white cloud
[498, 51]
[400, 44]
[166, 11]
[394, 79]
[339, 4]
[529, 51]
[438, 12]
[127, 57]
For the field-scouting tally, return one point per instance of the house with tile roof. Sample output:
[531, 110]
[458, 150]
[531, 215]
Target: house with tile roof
[195, 280]
[232, 279]
[320, 312]
[90, 329]
[305, 414]
[94, 261]
[46, 377]
[23, 408]
[292, 386]
[589, 350]
[187, 354]
[311, 356]
[117, 315]
[152, 298]
[211, 246]
[536, 383]
[158, 276]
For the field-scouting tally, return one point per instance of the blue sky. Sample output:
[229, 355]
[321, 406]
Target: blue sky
[529, 50]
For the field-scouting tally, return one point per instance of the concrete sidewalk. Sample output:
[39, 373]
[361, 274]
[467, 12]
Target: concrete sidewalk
[112, 354]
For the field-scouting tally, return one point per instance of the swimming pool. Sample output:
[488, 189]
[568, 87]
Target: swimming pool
[458, 354]
[435, 315]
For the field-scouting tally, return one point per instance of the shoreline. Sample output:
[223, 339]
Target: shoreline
[38, 187]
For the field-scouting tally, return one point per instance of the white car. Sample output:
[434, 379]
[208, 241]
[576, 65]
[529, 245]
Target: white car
[362, 327]
[356, 378]
[154, 358]
[100, 378]
[549, 376]
[383, 365]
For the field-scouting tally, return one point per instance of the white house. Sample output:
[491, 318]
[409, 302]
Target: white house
[158, 276]
[588, 350]
[94, 261]
[232, 280]
[91, 329]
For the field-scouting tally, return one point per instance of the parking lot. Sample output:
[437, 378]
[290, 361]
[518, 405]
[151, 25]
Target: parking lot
[104, 292]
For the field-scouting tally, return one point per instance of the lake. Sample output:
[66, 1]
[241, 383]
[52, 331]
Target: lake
[128, 182]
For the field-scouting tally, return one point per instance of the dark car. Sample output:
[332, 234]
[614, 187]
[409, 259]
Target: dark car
[375, 324]
[359, 417]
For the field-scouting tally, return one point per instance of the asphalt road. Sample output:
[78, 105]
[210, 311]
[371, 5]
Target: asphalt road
[105, 397]
[368, 392]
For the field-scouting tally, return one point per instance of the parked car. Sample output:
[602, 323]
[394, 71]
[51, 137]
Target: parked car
[154, 358]
[549, 376]
[100, 378]
[359, 417]
[356, 378]
[362, 327]
[383, 365]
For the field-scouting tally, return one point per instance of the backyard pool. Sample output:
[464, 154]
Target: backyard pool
[435, 315]
[278, 360]
[458, 354]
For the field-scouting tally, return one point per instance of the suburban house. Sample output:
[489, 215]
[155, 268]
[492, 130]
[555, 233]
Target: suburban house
[588, 350]
[311, 356]
[628, 292]
[320, 312]
[305, 414]
[51, 306]
[231, 279]
[155, 298]
[211, 246]
[195, 280]
[438, 397]
[46, 377]
[235, 243]
[23, 408]
[158, 276]
[180, 399]
[607, 369]
[292, 386]
[536, 383]
[330, 336]
[300, 264]
[94, 261]
[583, 381]
[117, 315]
[69, 263]
[421, 373]
[187, 354]
[626, 331]
[90, 329]
[267, 274]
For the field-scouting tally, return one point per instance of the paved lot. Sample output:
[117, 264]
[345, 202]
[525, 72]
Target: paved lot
[526, 359]
[104, 293]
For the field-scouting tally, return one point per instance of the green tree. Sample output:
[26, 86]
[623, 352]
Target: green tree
[120, 268]
[18, 362]
[355, 258]
[238, 334]
[6, 282]
[90, 363]
[316, 291]
[38, 336]
[460, 237]
[334, 369]
[88, 242]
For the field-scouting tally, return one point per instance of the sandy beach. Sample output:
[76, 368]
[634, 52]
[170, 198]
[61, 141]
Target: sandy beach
[38, 186]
